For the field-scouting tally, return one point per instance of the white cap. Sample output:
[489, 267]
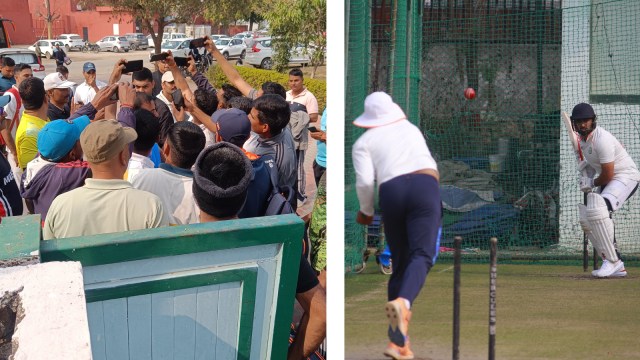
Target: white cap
[57, 81]
[167, 77]
[379, 109]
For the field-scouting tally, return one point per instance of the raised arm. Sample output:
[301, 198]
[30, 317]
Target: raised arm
[229, 70]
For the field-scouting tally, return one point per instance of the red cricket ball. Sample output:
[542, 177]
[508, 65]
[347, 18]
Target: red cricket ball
[469, 93]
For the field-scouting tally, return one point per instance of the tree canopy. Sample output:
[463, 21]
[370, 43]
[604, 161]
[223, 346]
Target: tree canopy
[298, 22]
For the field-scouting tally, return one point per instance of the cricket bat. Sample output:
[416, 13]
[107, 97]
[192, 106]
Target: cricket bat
[572, 137]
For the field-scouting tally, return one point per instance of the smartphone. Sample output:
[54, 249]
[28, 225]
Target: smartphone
[178, 100]
[196, 43]
[159, 57]
[313, 129]
[181, 61]
[131, 66]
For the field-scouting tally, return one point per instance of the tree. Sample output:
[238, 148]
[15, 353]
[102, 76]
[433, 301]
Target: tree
[298, 22]
[48, 16]
[225, 12]
[153, 14]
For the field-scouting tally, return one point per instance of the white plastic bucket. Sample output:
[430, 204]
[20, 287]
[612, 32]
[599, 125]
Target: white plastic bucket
[495, 163]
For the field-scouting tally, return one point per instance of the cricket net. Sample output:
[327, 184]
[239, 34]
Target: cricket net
[506, 164]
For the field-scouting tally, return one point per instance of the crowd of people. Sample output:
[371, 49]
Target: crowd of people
[117, 155]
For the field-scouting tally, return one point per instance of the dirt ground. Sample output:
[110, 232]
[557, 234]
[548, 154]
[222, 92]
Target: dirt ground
[543, 312]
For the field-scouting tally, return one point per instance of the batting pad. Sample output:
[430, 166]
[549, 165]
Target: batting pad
[601, 227]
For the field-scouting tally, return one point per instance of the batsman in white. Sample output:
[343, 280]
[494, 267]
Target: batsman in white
[617, 179]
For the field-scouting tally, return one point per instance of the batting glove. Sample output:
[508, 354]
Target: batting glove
[586, 184]
[586, 169]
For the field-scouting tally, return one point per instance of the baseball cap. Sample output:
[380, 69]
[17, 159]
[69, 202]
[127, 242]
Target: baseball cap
[103, 139]
[232, 123]
[58, 137]
[167, 77]
[88, 66]
[57, 81]
[4, 100]
[379, 110]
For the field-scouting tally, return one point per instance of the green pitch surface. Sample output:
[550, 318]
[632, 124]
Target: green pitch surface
[543, 312]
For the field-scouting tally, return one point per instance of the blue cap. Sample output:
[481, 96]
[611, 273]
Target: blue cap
[233, 123]
[88, 66]
[58, 137]
[4, 100]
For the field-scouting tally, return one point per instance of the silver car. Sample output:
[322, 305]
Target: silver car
[137, 41]
[115, 43]
[261, 54]
[231, 47]
[25, 56]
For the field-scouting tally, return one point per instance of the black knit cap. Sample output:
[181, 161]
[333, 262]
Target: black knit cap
[221, 178]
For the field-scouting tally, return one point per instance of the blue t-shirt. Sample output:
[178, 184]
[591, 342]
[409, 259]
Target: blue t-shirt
[5, 84]
[155, 155]
[321, 156]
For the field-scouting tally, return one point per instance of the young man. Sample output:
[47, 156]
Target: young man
[86, 91]
[299, 94]
[234, 127]
[617, 180]
[409, 198]
[221, 179]
[173, 181]
[269, 118]
[106, 203]
[59, 55]
[7, 80]
[13, 111]
[10, 201]
[148, 130]
[143, 82]
[59, 168]
[58, 88]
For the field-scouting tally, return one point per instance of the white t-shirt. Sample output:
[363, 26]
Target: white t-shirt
[85, 93]
[175, 192]
[137, 162]
[385, 152]
[601, 147]
[210, 138]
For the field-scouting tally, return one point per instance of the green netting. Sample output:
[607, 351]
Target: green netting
[507, 168]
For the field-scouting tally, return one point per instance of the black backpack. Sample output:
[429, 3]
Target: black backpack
[281, 198]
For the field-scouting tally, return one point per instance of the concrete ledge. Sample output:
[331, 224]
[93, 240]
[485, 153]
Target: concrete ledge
[53, 323]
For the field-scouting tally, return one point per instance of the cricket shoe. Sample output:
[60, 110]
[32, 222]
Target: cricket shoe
[399, 317]
[399, 353]
[609, 269]
[620, 273]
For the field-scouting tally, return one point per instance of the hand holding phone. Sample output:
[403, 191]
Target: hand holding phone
[313, 129]
[181, 61]
[132, 66]
[197, 43]
[159, 57]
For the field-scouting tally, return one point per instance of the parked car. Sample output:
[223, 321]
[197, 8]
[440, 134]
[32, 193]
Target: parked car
[246, 36]
[71, 41]
[113, 43]
[137, 41]
[25, 56]
[179, 48]
[173, 36]
[231, 47]
[47, 47]
[261, 54]
[215, 37]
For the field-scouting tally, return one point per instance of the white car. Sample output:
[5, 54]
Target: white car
[215, 37]
[261, 55]
[179, 48]
[115, 43]
[71, 41]
[25, 56]
[231, 47]
[173, 36]
[47, 47]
